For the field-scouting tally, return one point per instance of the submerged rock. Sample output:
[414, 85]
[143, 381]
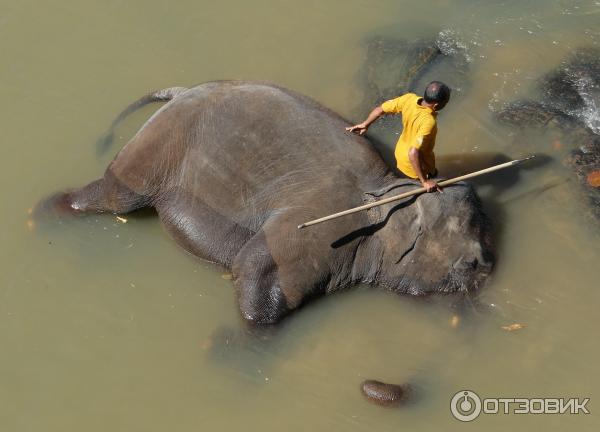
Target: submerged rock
[393, 67]
[572, 85]
[535, 114]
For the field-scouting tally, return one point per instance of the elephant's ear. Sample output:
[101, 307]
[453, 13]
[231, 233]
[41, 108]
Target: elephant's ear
[389, 187]
[375, 214]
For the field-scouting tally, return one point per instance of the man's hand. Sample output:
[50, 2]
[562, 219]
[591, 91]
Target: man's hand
[431, 186]
[360, 128]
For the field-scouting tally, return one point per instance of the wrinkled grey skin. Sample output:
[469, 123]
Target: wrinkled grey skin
[560, 93]
[233, 168]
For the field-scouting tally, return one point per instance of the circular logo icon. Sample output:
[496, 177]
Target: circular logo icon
[465, 405]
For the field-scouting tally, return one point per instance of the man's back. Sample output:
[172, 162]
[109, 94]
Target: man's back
[419, 129]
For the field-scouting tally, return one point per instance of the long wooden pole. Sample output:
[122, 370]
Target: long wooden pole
[414, 192]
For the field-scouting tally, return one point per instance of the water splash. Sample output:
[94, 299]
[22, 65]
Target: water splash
[590, 94]
[451, 43]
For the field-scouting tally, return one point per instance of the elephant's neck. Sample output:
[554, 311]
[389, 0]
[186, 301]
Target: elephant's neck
[368, 260]
[369, 255]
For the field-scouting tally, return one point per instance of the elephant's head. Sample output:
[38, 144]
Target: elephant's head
[436, 242]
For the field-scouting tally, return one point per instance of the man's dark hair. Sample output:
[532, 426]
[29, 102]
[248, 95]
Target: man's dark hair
[437, 92]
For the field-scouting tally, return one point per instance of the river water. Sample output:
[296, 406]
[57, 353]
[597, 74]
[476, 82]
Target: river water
[107, 326]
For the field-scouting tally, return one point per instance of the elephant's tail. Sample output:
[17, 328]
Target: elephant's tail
[166, 94]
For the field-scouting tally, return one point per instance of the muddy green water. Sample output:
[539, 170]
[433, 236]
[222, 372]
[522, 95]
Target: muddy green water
[103, 325]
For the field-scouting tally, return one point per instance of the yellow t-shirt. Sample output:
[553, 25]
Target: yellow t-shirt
[419, 128]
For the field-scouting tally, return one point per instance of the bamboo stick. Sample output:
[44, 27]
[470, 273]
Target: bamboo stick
[414, 192]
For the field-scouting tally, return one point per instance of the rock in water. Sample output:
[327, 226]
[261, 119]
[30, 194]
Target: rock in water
[569, 87]
[385, 394]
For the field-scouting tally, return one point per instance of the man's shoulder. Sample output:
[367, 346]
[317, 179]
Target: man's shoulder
[405, 97]
[399, 103]
[409, 98]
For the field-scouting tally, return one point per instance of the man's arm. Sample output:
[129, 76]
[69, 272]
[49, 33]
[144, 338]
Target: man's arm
[361, 128]
[414, 155]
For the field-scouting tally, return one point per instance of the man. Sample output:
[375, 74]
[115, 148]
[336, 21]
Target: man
[414, 150]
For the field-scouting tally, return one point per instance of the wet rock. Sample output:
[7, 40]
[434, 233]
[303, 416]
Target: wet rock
[569, 88]
[535, 114]
[586, 166]
[386, 394]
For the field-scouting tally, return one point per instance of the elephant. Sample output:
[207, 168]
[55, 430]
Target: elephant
[565, 106]
[395, 66]
[233, 167]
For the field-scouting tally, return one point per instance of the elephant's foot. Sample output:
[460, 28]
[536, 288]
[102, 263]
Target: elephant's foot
[386, 394]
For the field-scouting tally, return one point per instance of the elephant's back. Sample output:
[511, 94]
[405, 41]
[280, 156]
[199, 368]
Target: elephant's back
[262, 132]
[245, 147]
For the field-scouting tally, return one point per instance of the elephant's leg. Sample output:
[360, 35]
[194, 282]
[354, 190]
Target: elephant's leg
[260, 292]
[277, 269]
[200, 230]
[107, 194]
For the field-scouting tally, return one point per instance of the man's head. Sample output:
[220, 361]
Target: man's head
[437, 95]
